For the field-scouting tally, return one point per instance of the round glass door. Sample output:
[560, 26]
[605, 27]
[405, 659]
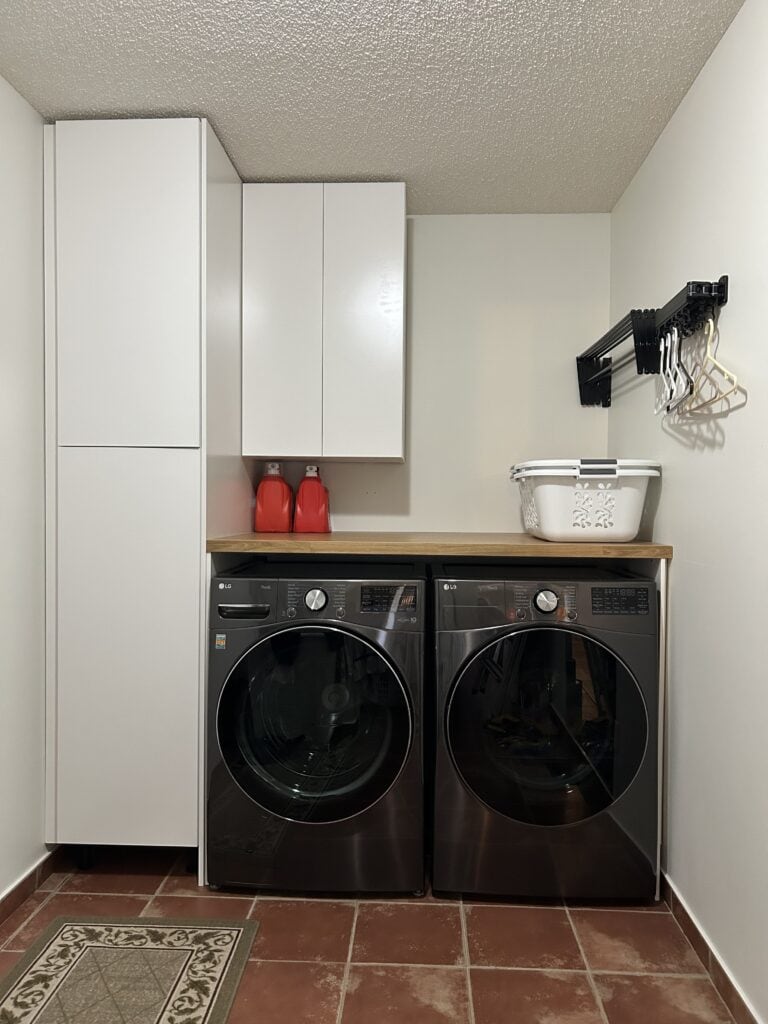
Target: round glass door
[546, 726]
[314, 724]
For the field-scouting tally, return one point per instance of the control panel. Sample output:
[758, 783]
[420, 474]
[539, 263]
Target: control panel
[541, 601]
[620, 601]
[475, 604]
[244, 602]
[306, 599]
[382, 598]
[381, 604]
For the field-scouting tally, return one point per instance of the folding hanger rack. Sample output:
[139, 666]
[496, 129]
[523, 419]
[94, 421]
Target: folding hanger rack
[687, 311]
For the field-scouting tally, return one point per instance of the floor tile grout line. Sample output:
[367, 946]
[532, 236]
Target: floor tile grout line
[562, 906]
[618, 910]
[682, 932]
[487, 967]
[465, 951]
[151, 896]
[651, 974]
[347, 965]
[5, 948]
[313, 963]
[706, 969]
[590, 979]
[266, 897]
[65, 876]
[511, 906]
[162, 883]
[159, 887]
[147, 905]
[720, 997]
[347, 900]
[397, 963]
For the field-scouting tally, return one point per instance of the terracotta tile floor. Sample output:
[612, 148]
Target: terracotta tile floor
[375, 961]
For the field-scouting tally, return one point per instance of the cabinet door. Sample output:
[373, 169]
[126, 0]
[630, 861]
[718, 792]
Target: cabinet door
[282, 320]
[363, 329]
[129, 564]
[127, 198]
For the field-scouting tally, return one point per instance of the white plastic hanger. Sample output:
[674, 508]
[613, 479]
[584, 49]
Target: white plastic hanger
[709, 366]
[666, 389]
[683, 382]
[661, 385]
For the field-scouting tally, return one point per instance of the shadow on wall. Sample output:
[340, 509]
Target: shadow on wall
[357, 488]
[369, 489]
[697, 423]
[696, 431]
[651, 507]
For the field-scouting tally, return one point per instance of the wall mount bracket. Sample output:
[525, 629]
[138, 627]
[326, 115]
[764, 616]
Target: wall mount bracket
[687, 311]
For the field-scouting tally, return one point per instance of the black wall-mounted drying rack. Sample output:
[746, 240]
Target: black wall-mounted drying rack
[687, 311]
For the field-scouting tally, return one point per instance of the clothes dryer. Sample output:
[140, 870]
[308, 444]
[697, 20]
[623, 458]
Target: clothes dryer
[547, 773]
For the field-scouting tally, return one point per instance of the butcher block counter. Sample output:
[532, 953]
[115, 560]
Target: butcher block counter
[463, 545]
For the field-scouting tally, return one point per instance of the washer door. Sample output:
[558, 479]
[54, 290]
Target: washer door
[546, 726]
[314, 724]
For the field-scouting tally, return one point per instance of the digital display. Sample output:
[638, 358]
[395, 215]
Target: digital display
[381, 599]
[620, 601]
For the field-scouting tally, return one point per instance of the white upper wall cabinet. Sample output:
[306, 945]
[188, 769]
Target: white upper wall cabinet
[127, 282]
[323, 320]
[282, 320]
[363, 325]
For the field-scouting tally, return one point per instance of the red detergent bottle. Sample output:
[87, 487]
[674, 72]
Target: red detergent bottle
[312, 511]
[274, 502]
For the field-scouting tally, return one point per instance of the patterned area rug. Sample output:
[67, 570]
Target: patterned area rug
[138, 971]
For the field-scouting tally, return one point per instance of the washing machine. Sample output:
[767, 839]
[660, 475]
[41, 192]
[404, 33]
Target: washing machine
[548, 735]
[314, 746]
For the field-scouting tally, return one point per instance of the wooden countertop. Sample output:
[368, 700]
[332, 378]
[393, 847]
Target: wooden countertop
[499, 545]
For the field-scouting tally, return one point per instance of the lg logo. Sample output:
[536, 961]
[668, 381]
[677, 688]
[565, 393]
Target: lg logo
[449, 586]
[225, 586]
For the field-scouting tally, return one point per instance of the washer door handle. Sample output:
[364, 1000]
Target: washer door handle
[244, 611]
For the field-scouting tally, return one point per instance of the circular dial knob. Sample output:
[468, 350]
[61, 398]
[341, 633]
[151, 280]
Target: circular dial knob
[315, 600]
[546, 600]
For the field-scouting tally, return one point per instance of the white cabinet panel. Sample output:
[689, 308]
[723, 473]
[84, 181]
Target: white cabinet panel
[129, 563]
[229, 491]
[282, 320]
[128, 210]
[363, 328]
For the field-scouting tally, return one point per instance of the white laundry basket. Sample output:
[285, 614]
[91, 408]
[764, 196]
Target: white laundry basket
[584, 499]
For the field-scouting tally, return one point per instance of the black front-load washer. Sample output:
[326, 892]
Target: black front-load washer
[314, 747]
[546, 774]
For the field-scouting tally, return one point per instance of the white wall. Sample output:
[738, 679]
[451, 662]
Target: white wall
[497, 306]
[698, 208]
[21, 504]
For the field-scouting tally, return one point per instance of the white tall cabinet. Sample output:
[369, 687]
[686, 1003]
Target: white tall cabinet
[143, 241]
[323, 320]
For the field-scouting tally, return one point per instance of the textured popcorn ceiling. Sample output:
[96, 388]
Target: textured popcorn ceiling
[481, 106]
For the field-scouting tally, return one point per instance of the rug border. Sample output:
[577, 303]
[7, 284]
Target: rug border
[222, 1002]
